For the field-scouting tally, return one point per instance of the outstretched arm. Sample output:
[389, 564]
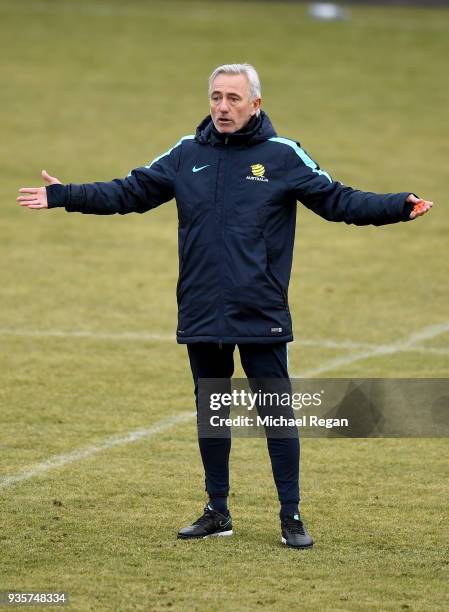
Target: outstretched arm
[336, 202]
[143, 189]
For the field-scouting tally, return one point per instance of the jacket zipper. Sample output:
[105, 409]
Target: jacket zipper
[222, 233]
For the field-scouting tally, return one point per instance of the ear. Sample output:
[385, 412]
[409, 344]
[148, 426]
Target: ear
[256, 104]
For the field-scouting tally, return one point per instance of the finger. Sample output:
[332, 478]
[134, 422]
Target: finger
[48, 178]
[28, 203]
[419, 213]
[29, 190]
[26, 198]
[36, 206]
[422, 202]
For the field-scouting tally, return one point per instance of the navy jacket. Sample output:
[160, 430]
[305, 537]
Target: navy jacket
[236, 196]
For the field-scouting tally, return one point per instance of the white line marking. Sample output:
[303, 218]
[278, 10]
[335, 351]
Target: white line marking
[60, 333]
[335, 344]
[78, 454]
[144, 336]
[427, 333]
[58, 461]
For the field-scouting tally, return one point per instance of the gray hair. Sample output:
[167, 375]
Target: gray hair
[246, 69]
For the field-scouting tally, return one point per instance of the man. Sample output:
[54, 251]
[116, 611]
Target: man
[236, 184]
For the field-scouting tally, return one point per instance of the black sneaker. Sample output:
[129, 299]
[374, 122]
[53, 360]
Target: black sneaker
[294, 533]
[212, 523]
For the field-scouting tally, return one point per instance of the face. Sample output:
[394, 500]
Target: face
[230, 105]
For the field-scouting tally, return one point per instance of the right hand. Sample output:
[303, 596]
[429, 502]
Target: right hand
[37, 196]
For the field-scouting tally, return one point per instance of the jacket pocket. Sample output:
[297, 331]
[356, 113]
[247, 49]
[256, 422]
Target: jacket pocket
[275, 281]
[181, 254]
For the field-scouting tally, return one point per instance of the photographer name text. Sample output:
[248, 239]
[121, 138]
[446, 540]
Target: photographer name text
[279, 421]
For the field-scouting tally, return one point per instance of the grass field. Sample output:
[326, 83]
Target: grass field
[88, 310]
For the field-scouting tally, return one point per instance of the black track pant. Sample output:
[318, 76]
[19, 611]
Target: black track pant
[258, 361]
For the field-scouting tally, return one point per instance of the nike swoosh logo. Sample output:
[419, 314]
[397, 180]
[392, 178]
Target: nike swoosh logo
[223, 524]
[195, 169]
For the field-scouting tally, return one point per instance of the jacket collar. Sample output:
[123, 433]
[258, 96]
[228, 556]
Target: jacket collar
[256, 130]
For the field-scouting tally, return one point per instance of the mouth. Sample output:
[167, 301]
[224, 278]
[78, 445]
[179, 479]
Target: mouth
[224, 121]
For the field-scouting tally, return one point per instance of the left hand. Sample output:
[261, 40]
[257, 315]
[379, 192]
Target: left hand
[420, 206]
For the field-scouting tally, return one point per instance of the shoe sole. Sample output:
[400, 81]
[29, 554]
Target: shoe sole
[211, 535]
[284, 541]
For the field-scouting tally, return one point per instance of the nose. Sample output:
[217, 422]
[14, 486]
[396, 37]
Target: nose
[223, 106]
